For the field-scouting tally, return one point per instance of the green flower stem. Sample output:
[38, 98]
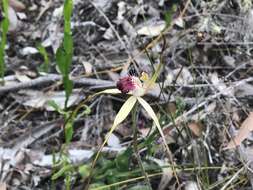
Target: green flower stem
[135, 145]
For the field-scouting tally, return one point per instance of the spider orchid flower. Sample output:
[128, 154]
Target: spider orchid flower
[133, 85]
[136, 88]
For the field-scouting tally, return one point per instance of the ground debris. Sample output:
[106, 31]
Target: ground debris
[203, 97]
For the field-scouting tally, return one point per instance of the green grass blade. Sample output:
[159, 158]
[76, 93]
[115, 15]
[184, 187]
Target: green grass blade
[4, 27]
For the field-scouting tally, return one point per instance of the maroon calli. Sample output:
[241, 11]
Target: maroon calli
[126, 84]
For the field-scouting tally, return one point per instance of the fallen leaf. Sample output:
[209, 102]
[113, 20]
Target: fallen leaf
[13, 19]
[179, 22]
[28, 51]
[220, 85]
[196, 128]
[243, 133]
[21, 16]
[182, 77]
[245, 89]
[167, 173]
[17, 5]
[88, 67]
[38, 99]
[121, 10]
[229, 60]
[191, 185]
[109, 34]
[113, 141]
[3, 186]
[144, 132]
[171, 108]
[22, 77]
[152, 30]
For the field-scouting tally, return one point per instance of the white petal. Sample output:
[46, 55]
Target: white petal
[152, 114]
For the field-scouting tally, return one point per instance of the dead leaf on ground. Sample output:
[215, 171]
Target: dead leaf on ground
[3, 186]
[154, 29]
[182, 77]
[243, 133]
[179, 22]
[167, 173]
[17, 5]
[38, 99]
[29, 51]
[220, 85]
[196, 128]
[88, 67]
[13, 19]
[191, 185]
[172, 108]
[114, 141]
[22, 77]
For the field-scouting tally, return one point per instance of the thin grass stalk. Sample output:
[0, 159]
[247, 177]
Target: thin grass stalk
[135, 145]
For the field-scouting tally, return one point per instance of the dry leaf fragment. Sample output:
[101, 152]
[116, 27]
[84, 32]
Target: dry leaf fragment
[243, 133]
[13, 19]
[3, 186]
[179, 22]
[182, 77]
[88, 67]
[220, 85]
[22, 77]
[114, 141]
[29, 51]
[191, 185]
[17, 5]
[14, 7]
[167, 173]
[152, 30]
[196, 128]
[171, 108]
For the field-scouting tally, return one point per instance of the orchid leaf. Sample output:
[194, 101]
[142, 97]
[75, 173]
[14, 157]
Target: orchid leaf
[121, 116]
[152, 114]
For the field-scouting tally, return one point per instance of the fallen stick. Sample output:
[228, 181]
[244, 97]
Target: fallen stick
[52, 78]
